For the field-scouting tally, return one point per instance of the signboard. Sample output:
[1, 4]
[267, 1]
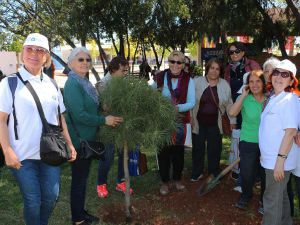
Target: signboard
[208, 53]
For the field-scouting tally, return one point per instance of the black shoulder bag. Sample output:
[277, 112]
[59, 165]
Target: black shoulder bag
[53, 148]
[88, 149]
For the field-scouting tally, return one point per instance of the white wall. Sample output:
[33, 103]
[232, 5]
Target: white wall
[8, 62]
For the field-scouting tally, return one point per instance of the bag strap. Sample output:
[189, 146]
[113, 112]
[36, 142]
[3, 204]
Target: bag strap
[13, 83]
[214, 99]
[38, 104]
[75, 128]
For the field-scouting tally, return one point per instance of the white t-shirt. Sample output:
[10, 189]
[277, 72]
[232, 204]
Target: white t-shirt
[296, 171]
[29, 122]
[280, 113]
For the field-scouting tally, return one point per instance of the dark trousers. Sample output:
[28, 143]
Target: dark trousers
[249, 167]
[80, 171]
[297, 180]
[104, 166]
[211, 135]
[171, 154]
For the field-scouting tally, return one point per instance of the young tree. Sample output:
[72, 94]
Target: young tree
[149, 119]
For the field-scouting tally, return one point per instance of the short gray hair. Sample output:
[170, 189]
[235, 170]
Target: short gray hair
[76, 51]
[272, 61]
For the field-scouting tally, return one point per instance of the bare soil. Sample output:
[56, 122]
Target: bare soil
[187, 208]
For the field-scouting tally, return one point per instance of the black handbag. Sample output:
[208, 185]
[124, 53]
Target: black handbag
[88, 149]
[53, 148]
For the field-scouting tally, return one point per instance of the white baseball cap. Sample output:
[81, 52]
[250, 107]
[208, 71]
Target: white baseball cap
[245, 76]
[37, 39]
[287, 65]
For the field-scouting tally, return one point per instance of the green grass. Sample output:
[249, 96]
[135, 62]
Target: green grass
[11, 202]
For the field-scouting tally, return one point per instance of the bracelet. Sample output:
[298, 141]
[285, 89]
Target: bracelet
[282, 156]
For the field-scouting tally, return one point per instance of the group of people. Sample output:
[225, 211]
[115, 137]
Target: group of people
[262, 104]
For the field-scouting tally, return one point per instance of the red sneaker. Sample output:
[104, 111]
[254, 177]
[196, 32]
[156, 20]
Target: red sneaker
[122, 187]
[102, 191]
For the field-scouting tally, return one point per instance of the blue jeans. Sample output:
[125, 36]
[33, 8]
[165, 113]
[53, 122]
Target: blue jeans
[39, 186]
[104, 166]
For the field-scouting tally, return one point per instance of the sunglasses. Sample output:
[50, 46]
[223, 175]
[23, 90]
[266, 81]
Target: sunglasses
[177, 62]
[187, 64]
[282, 74]
[39, 51]
[237, 51]
[82, 60]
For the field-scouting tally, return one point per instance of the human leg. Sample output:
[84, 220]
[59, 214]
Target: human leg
[197, 151]
[49, 182]
[275, 205]
[80, 171]
[164, 159]
[104, 166]
[214, 148]
[28, 181]
[249, 155]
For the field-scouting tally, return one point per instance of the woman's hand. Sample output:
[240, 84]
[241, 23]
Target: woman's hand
[113, 120]
[279, 169]
[73, 153]
[12, 160]
[245, 90]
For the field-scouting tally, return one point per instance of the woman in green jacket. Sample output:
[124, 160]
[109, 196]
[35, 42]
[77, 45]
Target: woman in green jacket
[82, 104]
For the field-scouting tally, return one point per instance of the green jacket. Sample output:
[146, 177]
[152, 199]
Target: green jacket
[84, 111]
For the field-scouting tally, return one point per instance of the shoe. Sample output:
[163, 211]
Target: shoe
[179, 186]
[241, 204]
[196, 179]
[164, 190]
[82, 223]
[122, 187]
[238, 189]
[261, 210]
[90, 218]
[234, 176]
[102, 191]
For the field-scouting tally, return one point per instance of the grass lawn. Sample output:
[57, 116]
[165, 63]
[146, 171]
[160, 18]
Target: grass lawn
[11, 202]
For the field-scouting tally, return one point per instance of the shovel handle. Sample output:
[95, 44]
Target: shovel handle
[228, 168]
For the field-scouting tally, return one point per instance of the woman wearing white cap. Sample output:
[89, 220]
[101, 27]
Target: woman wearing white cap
[38, 182]
[278, 126]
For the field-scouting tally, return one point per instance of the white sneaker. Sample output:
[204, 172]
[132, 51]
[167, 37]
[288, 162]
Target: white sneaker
[238, 189]
[196, 179]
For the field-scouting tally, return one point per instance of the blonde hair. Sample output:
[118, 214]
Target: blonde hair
[177, 53]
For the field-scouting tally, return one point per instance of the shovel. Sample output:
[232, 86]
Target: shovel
[212, 181]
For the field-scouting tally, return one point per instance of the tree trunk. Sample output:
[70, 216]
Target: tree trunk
[114, 44]
[121, 47]
[127, 181]
[155, 54]
[274, 27]
[62, 62]
[95, 74]
[103, 55]
[128, 46]
[295, 12]
[134, 55]
[162, 58]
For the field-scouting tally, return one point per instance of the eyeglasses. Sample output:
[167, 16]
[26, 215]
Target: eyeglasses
[177, 62]
[39, 51]
[187, 64]
[282, 74]
[237, 51]
[82, 60]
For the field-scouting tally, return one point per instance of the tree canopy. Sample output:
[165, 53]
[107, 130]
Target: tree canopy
[151, 24]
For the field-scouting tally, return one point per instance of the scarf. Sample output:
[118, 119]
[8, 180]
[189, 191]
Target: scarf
[179, 94]
[86, 85]
[237, 66]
